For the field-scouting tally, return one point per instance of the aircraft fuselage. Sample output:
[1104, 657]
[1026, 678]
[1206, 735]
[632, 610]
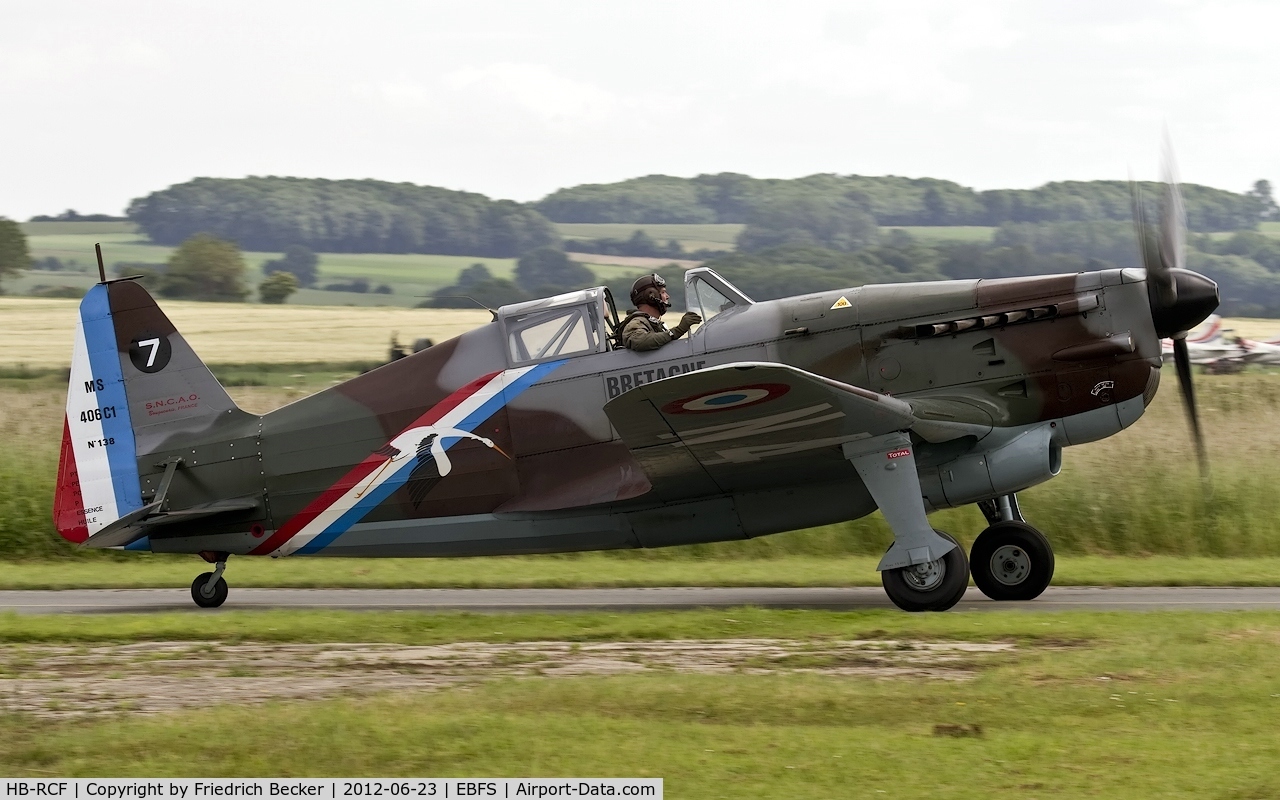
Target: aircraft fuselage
[1008, 371]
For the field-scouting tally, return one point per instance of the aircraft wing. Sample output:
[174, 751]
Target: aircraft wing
[735, 426]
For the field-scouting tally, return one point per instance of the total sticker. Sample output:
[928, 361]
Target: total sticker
[906, 451]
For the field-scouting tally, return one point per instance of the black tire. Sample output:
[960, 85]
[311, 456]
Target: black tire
[1011, 561]
[914, 589]
[218, 597]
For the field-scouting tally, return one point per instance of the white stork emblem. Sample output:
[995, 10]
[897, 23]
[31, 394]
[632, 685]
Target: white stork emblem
[426, 442]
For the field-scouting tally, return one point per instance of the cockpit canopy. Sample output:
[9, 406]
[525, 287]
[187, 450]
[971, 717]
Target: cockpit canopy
[583, 322]
[569, 324]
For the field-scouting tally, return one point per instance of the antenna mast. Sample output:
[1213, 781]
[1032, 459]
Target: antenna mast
[102, 270]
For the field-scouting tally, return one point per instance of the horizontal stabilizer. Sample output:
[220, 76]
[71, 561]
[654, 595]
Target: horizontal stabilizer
[123, 531]
[130, 528]
[202, 511]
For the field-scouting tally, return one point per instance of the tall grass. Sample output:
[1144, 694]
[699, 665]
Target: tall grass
[31, 432]
[1137, 493]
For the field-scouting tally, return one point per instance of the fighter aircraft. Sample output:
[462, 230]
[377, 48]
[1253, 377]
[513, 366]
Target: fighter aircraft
[1208, 345]
[1265, 353]
[1208, 332]
[538, 433]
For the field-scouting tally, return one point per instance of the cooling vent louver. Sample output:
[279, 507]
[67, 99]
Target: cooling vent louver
[1078, 305]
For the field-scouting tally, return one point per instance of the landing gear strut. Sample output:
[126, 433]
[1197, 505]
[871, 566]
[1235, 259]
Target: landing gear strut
[209, 590]
[933, 586]
[1010, 560]
[924, 569]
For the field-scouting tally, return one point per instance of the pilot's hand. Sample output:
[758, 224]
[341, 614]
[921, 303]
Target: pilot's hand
[686, 322]
[689, 320]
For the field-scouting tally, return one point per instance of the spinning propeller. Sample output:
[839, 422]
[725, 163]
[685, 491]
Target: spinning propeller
[1180, 299]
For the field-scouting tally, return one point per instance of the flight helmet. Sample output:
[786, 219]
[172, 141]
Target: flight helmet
[648, 290]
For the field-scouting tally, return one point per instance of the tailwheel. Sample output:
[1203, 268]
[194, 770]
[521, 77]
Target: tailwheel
[1011, 561]
[209, 589]
[934, 586]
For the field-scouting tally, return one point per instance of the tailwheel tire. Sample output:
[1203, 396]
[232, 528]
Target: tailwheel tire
[935, 586]
[213, 599]
[1011, 561]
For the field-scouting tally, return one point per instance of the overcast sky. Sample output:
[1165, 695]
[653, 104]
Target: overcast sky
[102, 102]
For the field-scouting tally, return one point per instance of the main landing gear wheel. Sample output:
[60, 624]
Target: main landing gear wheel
[935, 586]
[206, 596]
[1011, 561]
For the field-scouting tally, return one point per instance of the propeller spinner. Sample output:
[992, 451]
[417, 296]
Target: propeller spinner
[1180, 298]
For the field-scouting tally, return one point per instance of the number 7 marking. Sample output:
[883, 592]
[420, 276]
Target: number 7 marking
[154, 344]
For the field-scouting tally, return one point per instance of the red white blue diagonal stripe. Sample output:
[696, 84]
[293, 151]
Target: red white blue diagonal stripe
[356, 494]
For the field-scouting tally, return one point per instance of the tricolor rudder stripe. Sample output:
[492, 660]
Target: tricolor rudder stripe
[98, 476]
[376, 478]
[1211, 333]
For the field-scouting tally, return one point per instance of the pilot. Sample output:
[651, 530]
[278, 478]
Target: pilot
[643, 328]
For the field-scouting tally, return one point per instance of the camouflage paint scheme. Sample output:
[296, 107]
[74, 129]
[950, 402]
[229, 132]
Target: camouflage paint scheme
[579, 457]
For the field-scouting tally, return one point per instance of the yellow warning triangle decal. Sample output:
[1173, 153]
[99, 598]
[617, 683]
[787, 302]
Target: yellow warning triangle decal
[843, 302]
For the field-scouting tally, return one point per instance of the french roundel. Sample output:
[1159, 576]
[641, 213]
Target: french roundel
[725, 399]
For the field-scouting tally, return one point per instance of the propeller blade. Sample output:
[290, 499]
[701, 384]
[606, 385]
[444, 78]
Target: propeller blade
[1160, 284]
[1182, 359]
[1173, 215]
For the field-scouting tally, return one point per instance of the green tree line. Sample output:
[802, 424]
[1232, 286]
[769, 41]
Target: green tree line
[376, 216]
[841, 212]
[889, 200]
[351, 216]
[14, 255]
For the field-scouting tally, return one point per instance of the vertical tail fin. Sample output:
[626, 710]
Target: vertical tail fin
[1210, 333]
[135, 385]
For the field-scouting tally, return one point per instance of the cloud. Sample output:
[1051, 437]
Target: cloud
[537, 91]
[903, 53]
[516, 97]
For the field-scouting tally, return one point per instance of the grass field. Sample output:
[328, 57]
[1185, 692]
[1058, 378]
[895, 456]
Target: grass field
[411, 276]
[38, 332]
[78, 247]
[691, 237]
[81, 228]
[945, 705]
[942, 233]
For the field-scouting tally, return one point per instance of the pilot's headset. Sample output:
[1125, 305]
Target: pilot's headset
[648, 290]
